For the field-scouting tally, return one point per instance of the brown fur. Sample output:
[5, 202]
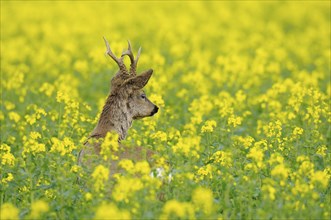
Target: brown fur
[125, 103]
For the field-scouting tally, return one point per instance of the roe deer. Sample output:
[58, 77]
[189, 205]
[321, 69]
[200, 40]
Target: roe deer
[125, 103]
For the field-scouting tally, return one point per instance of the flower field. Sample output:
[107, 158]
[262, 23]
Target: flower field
[243, 130]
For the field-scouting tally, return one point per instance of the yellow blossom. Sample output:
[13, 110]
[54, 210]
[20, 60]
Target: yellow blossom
[162, 136]
[8, 178]
[320, 177]
[245, 141]
[109, 146]
[157, 99]
[110, 211]
[209, 126]
[297, 131]
[321, 150]
[269, 191]
[234, 121]
[14, 116]
[203, 199]
[126, 164]
[9, 105]
[188, 146]
[205, 171]
[174, 208]
[126, 188]
[38, 208]
[9, 211]
[280, 171]
[100, 175]
[7, 159]
[142, 167]
[223, 158]
[256, 154]
[88, 196]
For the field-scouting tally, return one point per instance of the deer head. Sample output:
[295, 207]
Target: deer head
[126, 101]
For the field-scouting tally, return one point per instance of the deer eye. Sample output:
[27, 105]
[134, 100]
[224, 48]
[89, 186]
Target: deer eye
[143, 96]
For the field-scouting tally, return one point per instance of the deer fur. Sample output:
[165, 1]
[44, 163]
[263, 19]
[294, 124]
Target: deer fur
[125, 103]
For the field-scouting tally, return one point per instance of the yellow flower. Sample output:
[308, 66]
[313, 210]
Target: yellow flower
[223, 158]
[62, 97]
[62, 147]
[142, 167]
[256, 154]
[7, 179]
[14, 116]
[205, 171]
[297, 131]
[88, 196]
[110, 211]
[234, 121]
[75, 168]
[280, 171]
[81, 66]
[276, 158]
[9, 211]
[321, 150]
[35, 135]
[188, 146]
[100, 175]
[126, 187]
[175, 209]
[203, 199]
[306, 168]
[321, 178]
[8, 159]
[273, 129]
[38, 208]
[126, 164]
[9, 105]
[157, 99]
[245, 141]
[162, 136]
[109, 146]
[209, 126]
[240, 97]
[47, 89]
[269, 191]
[58, 146]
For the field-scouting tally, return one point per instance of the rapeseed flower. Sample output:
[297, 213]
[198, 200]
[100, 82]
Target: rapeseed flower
[100, 175]
[234, 121]
[177, 209]
[126, 188]
[321, 151]
[209, 126]
[9, 211]
[320, 177]
[280, 171]
[202, 199]
[110, 211]
[269, 99]
[38, 208]
[109, 146]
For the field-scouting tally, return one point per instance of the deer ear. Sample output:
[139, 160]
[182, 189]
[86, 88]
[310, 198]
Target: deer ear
[139, 81]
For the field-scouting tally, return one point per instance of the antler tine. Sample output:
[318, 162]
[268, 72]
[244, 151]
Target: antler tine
[119, 61]
[134, 62]
[129, 52]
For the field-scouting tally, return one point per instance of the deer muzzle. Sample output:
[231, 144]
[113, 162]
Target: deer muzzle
[155, 110]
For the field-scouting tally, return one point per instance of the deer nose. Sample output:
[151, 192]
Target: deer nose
[155, 110]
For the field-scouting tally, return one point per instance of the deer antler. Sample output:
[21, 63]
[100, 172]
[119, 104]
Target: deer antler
[119, 61]
[134, 62]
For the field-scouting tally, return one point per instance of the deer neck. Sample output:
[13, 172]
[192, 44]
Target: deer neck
[114, 117]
